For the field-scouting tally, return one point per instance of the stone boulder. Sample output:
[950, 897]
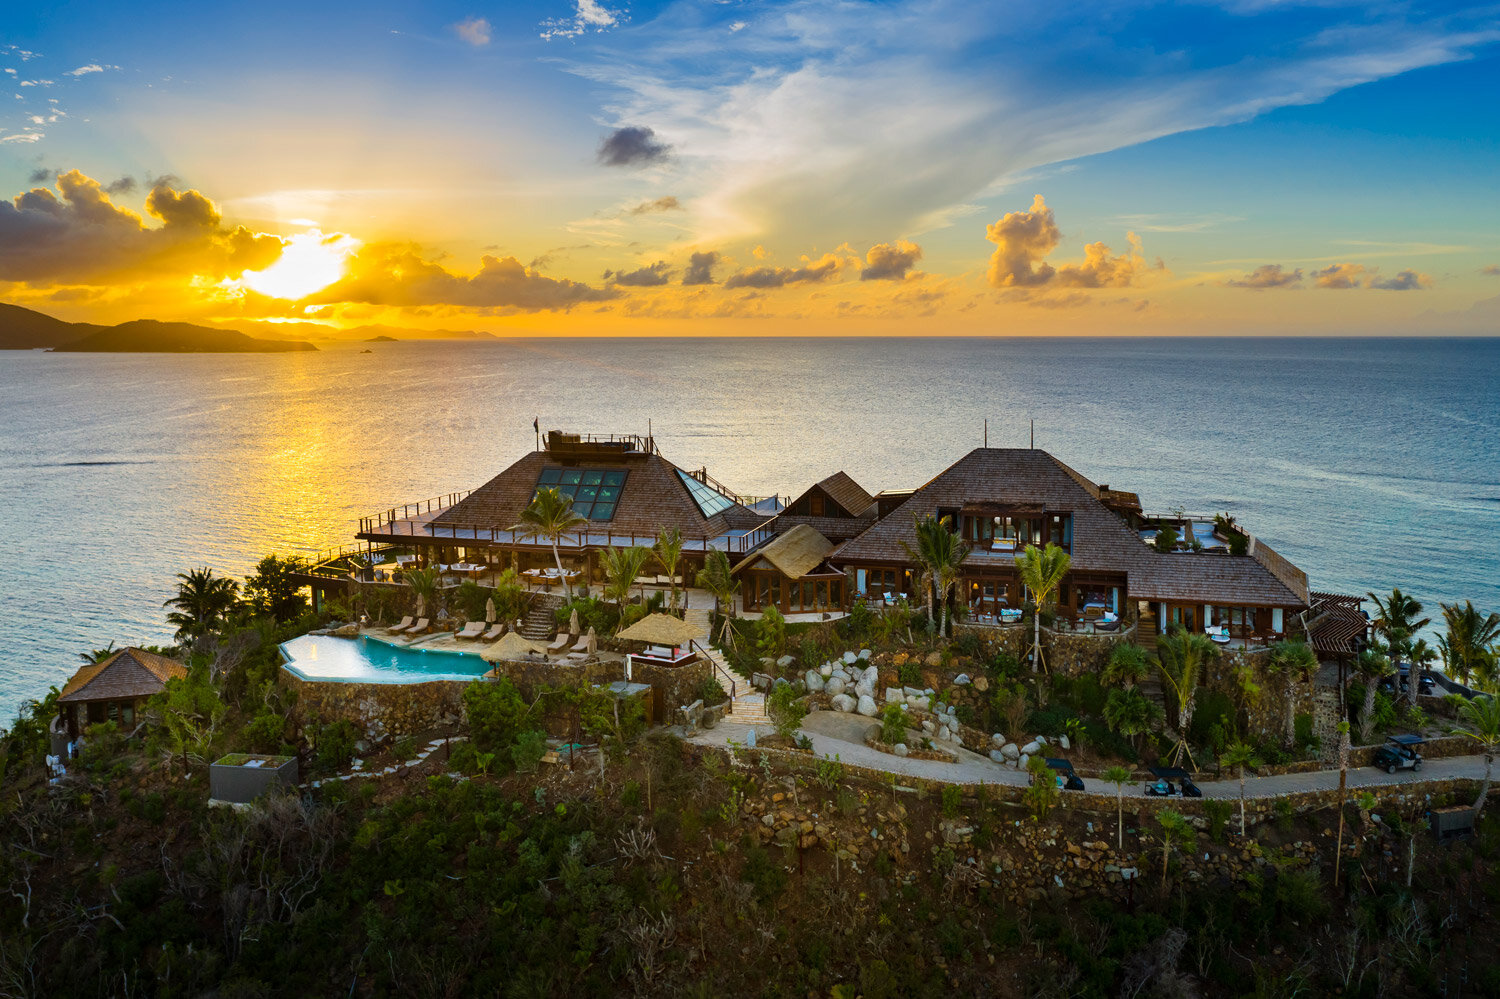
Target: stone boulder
[997, 756]
[1062, 741]
[785, 661]
[843, 702]
[761, 681]
[849, 658]
[865, 654]
[899, 749]
[826, 670]
[814, 680]
[893, 695]
[867, 705]
[933, 660]
[997, 740]
[1021, 763]
[962, 680]
[834, 686]
[1010, 751]
[1031, 748]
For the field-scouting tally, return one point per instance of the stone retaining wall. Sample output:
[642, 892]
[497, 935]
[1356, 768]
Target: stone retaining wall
[380, 710]
[672, 686]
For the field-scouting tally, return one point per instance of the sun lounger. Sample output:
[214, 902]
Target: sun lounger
[471, 630]
[396, 629]
[575, 657]
[582, 645]
[494, 633]
[559, 643]
[419, 628]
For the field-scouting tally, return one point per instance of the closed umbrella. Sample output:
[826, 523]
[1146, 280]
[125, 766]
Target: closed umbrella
[573, 628]
[421, 605]
[489, 611]
[593, 645]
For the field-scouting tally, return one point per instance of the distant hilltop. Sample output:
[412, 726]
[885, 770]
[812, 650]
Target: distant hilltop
[26, 329]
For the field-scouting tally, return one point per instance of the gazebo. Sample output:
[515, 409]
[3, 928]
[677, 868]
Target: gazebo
[115, 689]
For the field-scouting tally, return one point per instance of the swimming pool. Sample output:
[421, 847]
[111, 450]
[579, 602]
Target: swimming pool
[369, 660]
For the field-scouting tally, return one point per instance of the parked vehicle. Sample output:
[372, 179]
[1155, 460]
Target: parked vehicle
[1066, 778]
[1399, 753]
[1163, 786]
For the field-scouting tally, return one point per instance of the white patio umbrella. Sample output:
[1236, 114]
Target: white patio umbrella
[593, 645]
[573, 628]
[489, 611]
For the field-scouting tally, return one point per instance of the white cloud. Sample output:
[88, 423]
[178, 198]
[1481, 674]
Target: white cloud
[868, 121]
[588, 16]
[92, 67]
[23, 137]
[474, 30]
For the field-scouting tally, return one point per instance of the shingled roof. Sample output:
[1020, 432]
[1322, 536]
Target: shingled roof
[794, 554]
[1101, 540]
[653, 497]
[129, 673]
[847, 493]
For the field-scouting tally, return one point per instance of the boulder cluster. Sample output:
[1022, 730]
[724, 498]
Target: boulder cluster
[849, 682]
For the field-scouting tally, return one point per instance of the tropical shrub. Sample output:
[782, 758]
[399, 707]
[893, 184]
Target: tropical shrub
[335, 744]
[496, 713]
[528, 750]
[270, 590]
[892, 725]
[710, 691]
[910, 673]
[787, 709]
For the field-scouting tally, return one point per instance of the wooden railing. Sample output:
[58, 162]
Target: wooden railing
[732, 544]
[368, 525]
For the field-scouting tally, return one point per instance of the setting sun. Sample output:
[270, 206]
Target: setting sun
[309, 262]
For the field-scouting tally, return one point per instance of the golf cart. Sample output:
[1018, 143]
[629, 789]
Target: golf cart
[1399, 753]
[1066, 778]
[1163, 787]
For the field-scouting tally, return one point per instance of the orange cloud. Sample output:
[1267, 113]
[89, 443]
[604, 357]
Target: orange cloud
[890, 261]
[395, 274]
[775, 277]
[1339, 276]
[1404, 281]
[79, 235]
[1267, 276]
[1024, 239]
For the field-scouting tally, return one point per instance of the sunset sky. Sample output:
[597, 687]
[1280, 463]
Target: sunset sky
[697, 167]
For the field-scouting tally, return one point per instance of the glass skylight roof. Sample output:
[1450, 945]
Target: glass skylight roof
[595, 492]
[710, 501]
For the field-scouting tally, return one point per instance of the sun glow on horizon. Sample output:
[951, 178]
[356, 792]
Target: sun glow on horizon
[309, 262]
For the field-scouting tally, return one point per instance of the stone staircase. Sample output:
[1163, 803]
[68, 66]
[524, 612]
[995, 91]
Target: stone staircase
[702, 619]
[541, 617]
[749, 705]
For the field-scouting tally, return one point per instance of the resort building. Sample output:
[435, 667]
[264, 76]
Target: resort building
[837, 543]
[1001, 500]
[623, 486]
[114, 689]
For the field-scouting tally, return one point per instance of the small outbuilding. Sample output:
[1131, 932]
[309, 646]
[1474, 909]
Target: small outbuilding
[243, 777]
[114, 689]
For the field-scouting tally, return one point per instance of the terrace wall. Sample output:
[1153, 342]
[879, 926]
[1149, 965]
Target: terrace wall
[380, 710]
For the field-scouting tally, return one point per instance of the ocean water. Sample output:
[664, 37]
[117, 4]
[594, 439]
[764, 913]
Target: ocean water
[1370, 463]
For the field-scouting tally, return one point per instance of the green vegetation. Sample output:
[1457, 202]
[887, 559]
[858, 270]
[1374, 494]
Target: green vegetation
[550, 515]
[1041, 572]
[272, 592]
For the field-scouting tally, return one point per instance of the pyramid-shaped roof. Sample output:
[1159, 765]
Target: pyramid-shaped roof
[1021, 478]
[655, 494]
[129, 673]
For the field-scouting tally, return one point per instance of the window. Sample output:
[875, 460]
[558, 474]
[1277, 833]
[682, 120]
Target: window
[816, 504]
[595, 492]
[710, 501]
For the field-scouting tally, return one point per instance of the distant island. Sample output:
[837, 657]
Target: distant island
[26, 329]
[382, 339]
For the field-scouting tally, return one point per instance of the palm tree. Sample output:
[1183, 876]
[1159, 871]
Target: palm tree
[98, 655]
[1119, 776]
[939, 556]
[668, 552]
[1130, 713]
[1482, 724]
[1183, 656]
[203, 600]
[424, 586]
[1128, 665]
[1041, 572]
[718, 578]
[1396, 618]
[1175, 831]
[1470, 635]
[621, 567]
[551, 516]
[1293, 663]
[1239, 756]
[1372, 665]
